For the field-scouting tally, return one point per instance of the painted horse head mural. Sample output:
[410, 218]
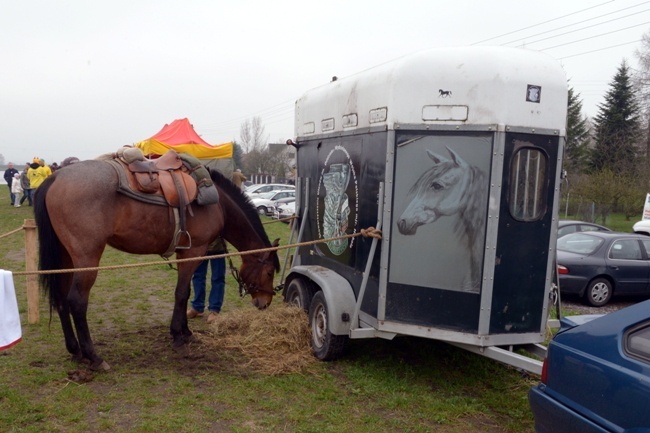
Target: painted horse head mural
[451, 187]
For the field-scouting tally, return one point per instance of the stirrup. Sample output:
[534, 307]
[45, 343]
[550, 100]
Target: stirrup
[178, 237]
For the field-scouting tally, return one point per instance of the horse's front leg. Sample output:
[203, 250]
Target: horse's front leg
[179, 328]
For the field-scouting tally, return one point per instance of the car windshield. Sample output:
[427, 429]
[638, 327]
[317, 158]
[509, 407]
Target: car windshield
[579, 243]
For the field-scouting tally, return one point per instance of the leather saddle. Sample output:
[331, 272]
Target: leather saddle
[163, 181]
[166, 176]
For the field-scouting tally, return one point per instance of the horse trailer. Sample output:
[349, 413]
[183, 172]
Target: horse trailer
[455, 154]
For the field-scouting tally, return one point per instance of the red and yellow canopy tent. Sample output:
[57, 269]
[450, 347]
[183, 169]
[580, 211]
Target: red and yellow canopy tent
[181, 136]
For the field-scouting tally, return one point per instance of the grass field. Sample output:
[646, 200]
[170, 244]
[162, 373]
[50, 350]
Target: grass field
[405, 385]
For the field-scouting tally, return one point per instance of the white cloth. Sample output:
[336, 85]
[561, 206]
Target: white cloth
[10, 331]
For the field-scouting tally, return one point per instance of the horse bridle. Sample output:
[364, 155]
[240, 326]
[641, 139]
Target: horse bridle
[249, 289]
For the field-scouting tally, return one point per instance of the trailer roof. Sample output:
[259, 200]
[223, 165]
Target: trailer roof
[450, 86]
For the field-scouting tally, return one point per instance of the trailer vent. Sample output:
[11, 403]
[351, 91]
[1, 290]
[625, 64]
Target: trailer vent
[327, 124]
[350, 120]
[445, 112]
[378, 115]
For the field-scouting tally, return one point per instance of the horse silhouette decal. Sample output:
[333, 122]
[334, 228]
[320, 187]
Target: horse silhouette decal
[444, 93]
[451, 187]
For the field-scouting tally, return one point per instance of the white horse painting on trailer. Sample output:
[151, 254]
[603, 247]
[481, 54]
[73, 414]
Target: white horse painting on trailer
[451, 187]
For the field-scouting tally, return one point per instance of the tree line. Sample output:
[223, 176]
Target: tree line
[606, 158]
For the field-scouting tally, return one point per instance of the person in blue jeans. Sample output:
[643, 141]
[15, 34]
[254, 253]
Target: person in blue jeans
[217, 279]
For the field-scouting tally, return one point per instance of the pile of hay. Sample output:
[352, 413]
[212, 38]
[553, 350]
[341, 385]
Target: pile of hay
[273, 341]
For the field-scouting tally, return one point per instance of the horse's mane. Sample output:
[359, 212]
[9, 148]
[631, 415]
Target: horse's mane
[243, 201]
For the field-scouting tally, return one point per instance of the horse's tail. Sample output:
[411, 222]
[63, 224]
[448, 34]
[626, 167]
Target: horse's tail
[49, 255]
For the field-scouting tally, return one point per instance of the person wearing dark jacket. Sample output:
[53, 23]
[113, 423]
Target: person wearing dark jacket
[9, 177]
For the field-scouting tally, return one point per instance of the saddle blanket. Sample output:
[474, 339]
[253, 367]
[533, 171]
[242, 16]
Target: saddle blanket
[10, 331]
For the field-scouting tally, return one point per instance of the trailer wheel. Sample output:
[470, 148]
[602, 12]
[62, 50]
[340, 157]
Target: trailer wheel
[298, 294]
[326, 346]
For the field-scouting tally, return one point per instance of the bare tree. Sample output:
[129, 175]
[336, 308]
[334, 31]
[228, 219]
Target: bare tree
[252, 135]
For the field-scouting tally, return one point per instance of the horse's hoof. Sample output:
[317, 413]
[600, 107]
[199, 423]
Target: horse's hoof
[79, 358]
[182, 350]
[190, 339]
[100, 366]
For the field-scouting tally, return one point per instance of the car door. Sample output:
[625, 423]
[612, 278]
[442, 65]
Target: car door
[628, 264]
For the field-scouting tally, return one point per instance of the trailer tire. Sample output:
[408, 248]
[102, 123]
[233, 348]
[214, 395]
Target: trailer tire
[326, 346]
[298, 294]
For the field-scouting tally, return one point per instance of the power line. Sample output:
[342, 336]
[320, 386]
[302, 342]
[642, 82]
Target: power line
[596, 36]
[576, 30]
[600, 49]
[544, 22]
[583, 21]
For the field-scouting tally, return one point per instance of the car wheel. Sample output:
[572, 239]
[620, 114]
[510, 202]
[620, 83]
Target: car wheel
[326, 346]
[298, 294]
[599, 292]
[261, 210]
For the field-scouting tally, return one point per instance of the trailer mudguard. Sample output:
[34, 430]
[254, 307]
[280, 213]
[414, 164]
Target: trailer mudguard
[338, 295]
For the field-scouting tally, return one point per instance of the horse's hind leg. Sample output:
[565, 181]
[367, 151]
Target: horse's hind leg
[78, 303]
[63, 310]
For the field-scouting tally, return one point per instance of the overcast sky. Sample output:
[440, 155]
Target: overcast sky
[82, 78]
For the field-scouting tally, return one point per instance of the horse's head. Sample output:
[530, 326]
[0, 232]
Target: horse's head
[438, 192]
[257, 272]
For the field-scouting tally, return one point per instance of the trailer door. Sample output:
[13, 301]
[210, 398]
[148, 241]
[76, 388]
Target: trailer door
[524, 230]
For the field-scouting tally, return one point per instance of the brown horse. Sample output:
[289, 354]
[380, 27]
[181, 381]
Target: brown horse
[78, 212]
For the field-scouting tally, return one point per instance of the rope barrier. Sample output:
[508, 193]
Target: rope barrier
[12, 232]
[369, 232]
[293, 217]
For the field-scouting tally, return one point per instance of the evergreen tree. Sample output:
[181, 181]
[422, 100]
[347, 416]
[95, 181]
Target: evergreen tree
[237, 155]
[617, 126]
[577, 135]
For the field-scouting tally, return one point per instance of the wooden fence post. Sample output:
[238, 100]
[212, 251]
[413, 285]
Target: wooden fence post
[31, 264]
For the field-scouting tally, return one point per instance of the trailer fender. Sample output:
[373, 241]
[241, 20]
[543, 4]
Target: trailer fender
[338, 295]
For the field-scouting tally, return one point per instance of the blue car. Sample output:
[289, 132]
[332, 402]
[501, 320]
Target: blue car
[596, 375]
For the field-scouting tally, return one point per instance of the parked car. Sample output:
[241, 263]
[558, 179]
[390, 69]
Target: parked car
[264, 202]
[597, 265]
[566, 227]
[596, 375]
[261, 188]
[642, 227]
[284, 210]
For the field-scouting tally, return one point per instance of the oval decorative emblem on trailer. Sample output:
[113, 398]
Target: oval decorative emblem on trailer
[336, 177]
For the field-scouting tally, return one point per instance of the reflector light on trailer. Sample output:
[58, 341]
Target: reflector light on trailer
[562, 269]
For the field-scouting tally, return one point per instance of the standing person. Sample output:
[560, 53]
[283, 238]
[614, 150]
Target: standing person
[35, 174]
[24, 182]
[238, 178]
[218, 280]
[9, 178]
[16, 189]
[46, 168]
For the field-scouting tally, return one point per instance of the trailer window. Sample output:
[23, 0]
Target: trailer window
[528, 173]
